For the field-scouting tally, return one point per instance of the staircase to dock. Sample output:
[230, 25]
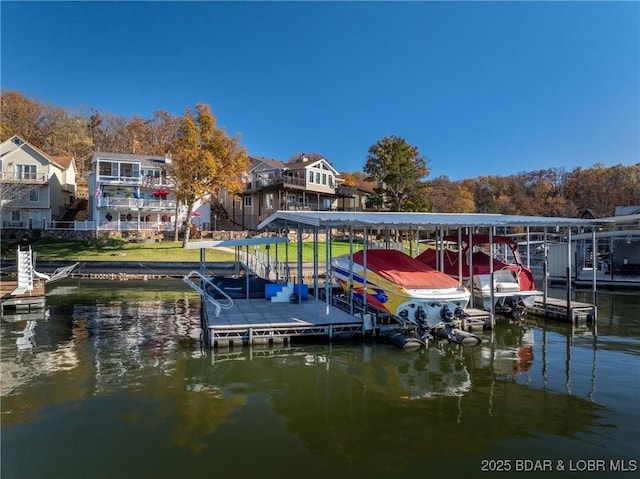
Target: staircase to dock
[284, 295]
[25, 272]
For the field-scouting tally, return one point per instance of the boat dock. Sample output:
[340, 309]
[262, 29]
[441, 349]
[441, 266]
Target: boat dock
[328, 314]
[29, 300]
[262, 322]
[258, 321]
[560, 309]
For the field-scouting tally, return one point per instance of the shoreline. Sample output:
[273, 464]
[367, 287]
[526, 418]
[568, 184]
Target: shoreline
[134, 270]
[122, 270]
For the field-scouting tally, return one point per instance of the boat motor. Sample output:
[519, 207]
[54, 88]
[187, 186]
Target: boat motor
[445, 313]
[421, 315]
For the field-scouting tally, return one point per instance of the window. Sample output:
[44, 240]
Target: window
[291, 199]
[104, 168]
[247, 201]
[311, 177]
[268, 201]
[15, 215]
[34, 194]
[318, 177]
[324, 178]
[26, 172]
[331, 180]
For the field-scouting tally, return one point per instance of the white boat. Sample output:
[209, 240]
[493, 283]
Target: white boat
[400, 285]
[513, 284]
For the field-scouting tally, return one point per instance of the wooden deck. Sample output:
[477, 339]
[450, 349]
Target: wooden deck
[558, 309]
[258, 321]
[34, 299]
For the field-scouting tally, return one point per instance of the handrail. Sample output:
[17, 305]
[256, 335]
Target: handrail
[202, 289]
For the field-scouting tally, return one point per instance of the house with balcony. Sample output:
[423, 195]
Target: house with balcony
[131, 192]
[35, 188]
[272, 185]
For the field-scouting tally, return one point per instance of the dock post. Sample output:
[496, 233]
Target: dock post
[569, 312]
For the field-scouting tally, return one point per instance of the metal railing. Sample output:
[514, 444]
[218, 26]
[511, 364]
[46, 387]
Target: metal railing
[135, 203]
[114, 225]
[207, 290]
[26, 177]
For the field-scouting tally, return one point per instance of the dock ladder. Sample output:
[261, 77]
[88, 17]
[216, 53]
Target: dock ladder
[208, 290]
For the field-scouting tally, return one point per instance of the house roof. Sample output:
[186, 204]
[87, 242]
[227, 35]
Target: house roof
[299, 165]
[296, 165]
[258, 161]
[627, 210]
[62, 162]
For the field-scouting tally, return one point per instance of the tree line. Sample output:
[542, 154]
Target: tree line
[394, 173]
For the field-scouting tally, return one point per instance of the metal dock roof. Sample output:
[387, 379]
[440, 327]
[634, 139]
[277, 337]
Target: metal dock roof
[402, 220]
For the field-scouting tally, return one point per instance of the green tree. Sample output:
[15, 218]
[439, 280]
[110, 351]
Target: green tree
[396, 168]
[205, 160]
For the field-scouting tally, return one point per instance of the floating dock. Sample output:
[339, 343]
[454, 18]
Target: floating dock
[29, 300]
[258, 321]
[560, 309]
[261, 322]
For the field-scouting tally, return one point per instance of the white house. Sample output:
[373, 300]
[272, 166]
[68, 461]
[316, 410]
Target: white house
[36, 188]
[131, 192]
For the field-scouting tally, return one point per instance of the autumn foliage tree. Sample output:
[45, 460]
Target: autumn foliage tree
[205, 160]
[448, 197]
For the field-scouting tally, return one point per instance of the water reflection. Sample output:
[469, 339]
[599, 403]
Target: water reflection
[352, 402]
[123, 358]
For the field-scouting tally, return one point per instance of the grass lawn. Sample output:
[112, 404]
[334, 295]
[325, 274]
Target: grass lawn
[118, 250]
[338, 248]
[121, 250]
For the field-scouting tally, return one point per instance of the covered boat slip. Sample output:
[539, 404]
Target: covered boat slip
[364, 226]
[325, 313]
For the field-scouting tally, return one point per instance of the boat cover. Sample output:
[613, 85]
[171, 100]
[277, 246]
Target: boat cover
[403, 270]
[481, 265]
[479, 238]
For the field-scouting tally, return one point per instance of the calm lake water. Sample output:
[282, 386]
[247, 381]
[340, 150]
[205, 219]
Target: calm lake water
[113, 383]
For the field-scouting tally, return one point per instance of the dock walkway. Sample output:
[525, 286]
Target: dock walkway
[256, 321]
[28, 300]
[559, 309]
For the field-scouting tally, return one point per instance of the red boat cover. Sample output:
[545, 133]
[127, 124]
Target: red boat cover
[480, 262]
[404, 270]
[480, 266]
[478, 239]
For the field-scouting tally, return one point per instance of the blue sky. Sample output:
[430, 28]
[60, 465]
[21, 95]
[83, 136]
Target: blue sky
[481, 88]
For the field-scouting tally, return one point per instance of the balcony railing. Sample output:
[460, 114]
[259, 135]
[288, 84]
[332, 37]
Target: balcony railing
[120, 180]
[284, 180]
[135, 204]
[30, 178]
[147, 181]
[114, 225]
